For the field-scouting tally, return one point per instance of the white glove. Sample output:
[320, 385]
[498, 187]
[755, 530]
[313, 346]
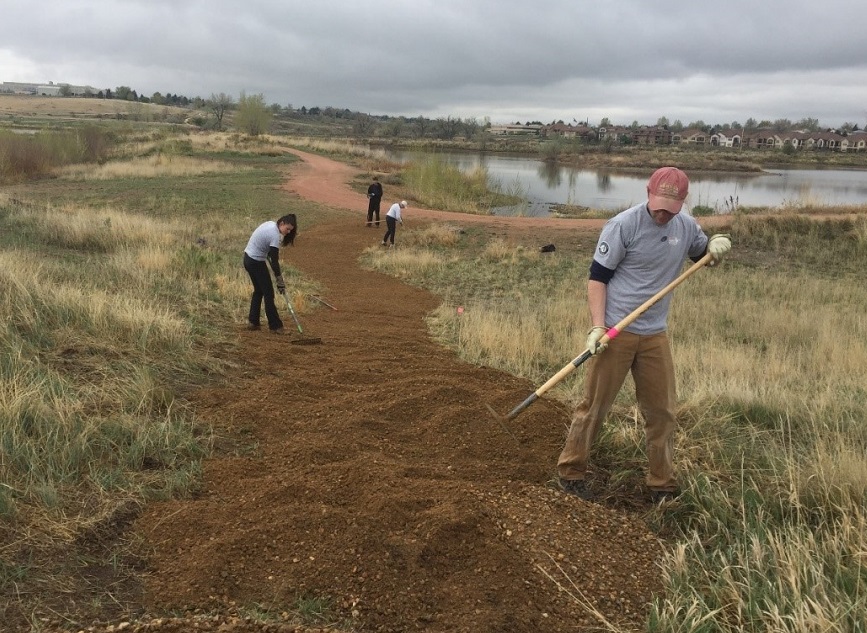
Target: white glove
[718, 245]
[593, 335]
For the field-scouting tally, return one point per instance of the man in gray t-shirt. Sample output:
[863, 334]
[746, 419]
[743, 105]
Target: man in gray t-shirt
[640, 251]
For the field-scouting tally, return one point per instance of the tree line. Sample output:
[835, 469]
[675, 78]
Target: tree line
[255, 115]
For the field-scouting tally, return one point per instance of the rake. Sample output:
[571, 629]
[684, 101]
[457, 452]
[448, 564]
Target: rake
[304, 340]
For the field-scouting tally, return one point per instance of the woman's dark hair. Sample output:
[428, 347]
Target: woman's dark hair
[289, 238]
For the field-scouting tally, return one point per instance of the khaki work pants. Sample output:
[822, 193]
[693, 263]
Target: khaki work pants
[650, 361]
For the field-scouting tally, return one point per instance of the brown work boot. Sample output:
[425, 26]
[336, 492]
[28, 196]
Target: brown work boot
[278, 330]
[253, 326]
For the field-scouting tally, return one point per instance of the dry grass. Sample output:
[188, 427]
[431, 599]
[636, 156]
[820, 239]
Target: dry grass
[159, 165]
[65, 107]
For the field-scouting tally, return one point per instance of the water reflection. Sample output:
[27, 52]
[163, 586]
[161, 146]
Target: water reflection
[603, 180]
[545, 184]
[550, 173]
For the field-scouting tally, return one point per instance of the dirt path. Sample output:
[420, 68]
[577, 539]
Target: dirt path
[366, 470]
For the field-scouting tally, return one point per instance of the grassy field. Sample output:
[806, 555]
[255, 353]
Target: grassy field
[771, 349]
[19, 110]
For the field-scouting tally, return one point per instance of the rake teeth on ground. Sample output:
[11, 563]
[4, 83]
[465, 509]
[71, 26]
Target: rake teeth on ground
[306, 341]
[501, 420]
[497, 416]
[322, 301]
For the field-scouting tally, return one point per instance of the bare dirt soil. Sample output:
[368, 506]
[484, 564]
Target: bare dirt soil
[368, 472]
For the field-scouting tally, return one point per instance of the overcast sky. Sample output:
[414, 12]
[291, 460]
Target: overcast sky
[628, 60]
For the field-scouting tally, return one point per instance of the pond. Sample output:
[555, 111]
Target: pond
[543, 185]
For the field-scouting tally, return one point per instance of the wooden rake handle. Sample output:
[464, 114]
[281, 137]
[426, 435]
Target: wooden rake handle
[610, 334]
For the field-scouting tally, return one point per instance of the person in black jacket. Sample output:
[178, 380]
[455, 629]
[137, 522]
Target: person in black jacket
[374, 195]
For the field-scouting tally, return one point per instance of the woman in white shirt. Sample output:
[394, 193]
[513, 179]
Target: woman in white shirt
[264, 245]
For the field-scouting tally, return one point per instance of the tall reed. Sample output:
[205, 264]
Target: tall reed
[441, 185]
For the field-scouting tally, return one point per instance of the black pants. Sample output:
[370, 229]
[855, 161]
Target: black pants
[391, 223]
[373, 208]
[263, 289]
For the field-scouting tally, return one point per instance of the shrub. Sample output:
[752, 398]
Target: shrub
[702, 210]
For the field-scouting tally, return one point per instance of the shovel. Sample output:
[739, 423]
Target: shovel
[304, 340]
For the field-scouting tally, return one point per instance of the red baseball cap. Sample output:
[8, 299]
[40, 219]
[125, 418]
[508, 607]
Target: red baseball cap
[667, 189]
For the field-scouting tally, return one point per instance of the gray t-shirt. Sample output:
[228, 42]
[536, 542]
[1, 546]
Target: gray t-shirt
[646, 257]
[264, 237]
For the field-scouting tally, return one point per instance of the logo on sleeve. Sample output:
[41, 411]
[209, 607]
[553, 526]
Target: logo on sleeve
[603, 248]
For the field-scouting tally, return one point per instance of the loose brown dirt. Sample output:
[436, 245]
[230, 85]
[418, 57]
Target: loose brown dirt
[367, 471]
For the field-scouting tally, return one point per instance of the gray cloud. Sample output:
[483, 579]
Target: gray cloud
[509, 60]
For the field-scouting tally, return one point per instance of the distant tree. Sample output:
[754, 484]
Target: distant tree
[751, 124]
[447, 127]
[219, 105]
[421, 127]
[677, 126]
[471, 126]
[314, 111]
[275, 108]
[735, 125]
[662, 122]
[635, 125]
[65, 90]
[765, 123]
[363, 126]
[699, 125]
[253, 115]
[395, 127]
[159, 99]
[808, 124]
[123, 93]
[605, 122]
[136, 112]
[781, 125]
